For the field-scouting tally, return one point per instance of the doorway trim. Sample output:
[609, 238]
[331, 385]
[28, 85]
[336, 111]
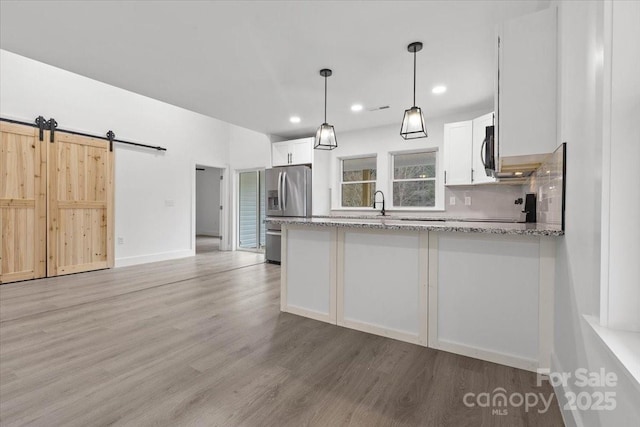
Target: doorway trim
[225, 232]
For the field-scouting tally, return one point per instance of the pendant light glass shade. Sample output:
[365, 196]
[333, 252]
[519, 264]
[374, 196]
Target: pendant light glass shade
[325, 138]
[325, 135]
[413, 121]
[413, 124]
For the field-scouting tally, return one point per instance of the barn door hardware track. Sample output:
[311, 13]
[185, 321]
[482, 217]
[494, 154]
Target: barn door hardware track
[52, 125]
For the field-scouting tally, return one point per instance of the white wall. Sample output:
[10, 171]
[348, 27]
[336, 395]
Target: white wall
[380, 141]
[621, 204]
[154, 211]
[578, 252]
[208, 202]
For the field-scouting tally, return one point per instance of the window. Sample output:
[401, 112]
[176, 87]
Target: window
[358, 182]
[414, 179]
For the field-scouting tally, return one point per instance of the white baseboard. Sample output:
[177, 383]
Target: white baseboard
[571, 418]
[383, 332]
[311, 314]
[145, 259]
[208, 233]
[484, 354]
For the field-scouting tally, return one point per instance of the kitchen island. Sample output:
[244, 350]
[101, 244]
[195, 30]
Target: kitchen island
[480, 289]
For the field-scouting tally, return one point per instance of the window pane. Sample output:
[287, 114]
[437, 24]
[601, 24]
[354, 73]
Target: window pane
[363, 169]
[414, 193]
[416, 165]
[358, 195]
[248, 210]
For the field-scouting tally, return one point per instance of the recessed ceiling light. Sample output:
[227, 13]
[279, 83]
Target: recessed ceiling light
[518, 173]
[439, 89]
[356, 107]
[294, 119]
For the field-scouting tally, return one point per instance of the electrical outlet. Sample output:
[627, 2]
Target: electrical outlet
[452, 200]
[467, 200]
[121, 240]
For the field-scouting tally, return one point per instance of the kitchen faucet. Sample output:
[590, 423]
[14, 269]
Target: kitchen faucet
[382, 212]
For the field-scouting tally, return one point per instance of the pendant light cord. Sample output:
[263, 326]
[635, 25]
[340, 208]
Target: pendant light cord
[414, 78]
[325, 99]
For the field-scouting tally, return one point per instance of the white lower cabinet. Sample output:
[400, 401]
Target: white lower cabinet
[308, 274]
[382, 283]
[488, 296]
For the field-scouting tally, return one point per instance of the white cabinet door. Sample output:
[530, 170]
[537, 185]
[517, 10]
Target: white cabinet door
[389, 301]
[295, 152]
[526, 95]
[457, 152]
[280, 154]
[477, 153]
[301, 151]
[308, 281]
[491, 316]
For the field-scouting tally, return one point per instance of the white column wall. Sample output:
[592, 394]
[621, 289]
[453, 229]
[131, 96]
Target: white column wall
[620, 305]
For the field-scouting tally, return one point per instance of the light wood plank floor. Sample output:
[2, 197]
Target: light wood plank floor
[205, 244]
[201, 342]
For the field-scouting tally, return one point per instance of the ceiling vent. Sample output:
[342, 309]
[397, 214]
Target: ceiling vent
[384, 107]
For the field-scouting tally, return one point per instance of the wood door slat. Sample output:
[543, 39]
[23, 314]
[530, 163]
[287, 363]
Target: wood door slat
[17, 203]
[23, 160]
[80, 222]
[79, 204]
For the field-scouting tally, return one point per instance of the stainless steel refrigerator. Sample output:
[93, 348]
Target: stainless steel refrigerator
[288, 193]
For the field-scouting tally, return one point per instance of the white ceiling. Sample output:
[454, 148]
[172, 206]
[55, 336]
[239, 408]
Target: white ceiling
[255, 64]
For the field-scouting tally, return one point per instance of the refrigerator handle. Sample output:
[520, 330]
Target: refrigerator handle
[279, 191]
[284, 190]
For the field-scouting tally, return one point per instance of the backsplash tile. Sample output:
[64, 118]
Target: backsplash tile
[487, 201]
[548, 185]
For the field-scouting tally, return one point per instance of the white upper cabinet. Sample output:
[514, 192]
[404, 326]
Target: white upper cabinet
[457, 152]
[479, 175]
[526, 84]
[280, 153]
[295, 152]
[302, 151]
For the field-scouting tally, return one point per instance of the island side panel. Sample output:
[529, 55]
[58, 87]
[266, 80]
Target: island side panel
[485, 302]
[382, 281]
[309, 272]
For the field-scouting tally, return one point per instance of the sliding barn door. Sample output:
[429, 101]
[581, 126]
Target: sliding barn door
[80, 219]
[22, 203]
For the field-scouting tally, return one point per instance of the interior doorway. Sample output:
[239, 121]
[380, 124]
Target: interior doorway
[251, 210]
[208, 208]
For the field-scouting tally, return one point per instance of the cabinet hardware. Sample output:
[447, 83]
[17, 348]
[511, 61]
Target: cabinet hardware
[445, 177]
[472, 175]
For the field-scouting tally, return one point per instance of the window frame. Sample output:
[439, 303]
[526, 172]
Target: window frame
[341, 176]
[435, 179]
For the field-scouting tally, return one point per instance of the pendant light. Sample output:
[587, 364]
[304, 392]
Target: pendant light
[325, 135]
[413, 121]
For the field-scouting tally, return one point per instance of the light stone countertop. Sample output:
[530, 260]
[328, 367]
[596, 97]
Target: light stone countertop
[424, 224]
